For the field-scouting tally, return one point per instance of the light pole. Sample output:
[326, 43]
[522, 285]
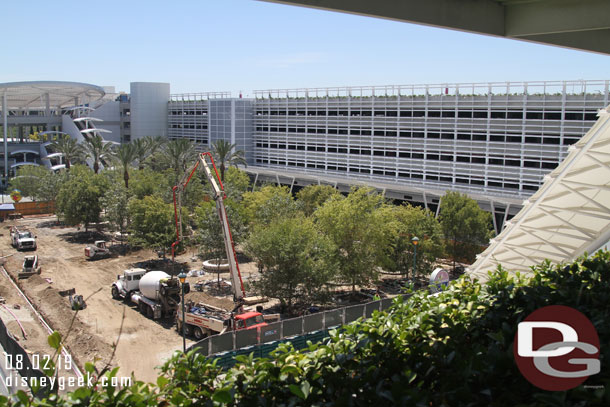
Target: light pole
[182, 278]
[415, 241]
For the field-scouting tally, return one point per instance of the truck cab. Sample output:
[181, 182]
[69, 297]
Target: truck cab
[128, 282]
[23, 240]
[249, 320]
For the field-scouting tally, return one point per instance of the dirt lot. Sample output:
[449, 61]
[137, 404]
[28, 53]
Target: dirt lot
[143, 343]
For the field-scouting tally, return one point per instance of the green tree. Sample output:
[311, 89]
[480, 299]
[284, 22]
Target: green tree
[72, 151]
[115, 203]
[360, 226]
[314, 196]
[466, 226]
[37, 182]
[147, 182]
[262, 206]
[97, 149]
[236, 183]
[178, 155]
[152, 223]
[79, 198]
[296, 260]
[209, 231]
[225, 154]
[412, 221]
[146, 147]
[125, 155]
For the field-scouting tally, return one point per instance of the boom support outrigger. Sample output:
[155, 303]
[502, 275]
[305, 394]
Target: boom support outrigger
[219, 197]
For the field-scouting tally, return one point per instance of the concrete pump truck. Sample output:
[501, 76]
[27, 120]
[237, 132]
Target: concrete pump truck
[201, 320]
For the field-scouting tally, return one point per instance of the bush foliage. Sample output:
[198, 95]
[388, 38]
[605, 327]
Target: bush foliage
[452, 349]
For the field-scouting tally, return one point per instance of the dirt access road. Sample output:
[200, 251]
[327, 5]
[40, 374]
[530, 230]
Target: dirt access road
[143, 344]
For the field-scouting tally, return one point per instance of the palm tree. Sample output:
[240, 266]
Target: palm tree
[97, 149]
[178, 155]
[154, 143]
[224, 154]
[147, 146]
[69, 147]
[140, 151]
[125, 155]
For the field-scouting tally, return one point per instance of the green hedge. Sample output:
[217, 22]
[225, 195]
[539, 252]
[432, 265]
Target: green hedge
[454, 349]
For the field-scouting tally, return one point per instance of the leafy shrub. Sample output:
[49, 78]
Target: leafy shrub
[452, 349]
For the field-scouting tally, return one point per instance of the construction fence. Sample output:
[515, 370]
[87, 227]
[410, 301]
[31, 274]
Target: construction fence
[297, 331]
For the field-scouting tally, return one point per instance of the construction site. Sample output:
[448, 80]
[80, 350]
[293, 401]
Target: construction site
[99, 325]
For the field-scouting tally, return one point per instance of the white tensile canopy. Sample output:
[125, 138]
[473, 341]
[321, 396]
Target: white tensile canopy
[568, 216]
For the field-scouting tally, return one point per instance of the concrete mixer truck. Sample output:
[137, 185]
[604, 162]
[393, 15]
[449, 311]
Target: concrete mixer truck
[156, 293]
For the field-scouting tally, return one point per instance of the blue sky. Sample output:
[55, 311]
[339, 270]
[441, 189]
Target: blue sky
[233, 45]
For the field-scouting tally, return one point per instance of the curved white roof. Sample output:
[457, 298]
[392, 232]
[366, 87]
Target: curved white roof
[95, 130]
[24, 163]
[91, 119]
[568, 216]
[34, 94]
[23, 151]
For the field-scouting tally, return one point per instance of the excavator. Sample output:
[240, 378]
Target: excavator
[202, 319]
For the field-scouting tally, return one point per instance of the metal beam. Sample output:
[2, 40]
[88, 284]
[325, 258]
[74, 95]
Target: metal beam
[485, 16]
[577, 24]
[536, 18]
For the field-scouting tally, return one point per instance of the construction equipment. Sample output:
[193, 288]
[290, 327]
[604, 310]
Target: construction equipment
[77, 302]
[203, 319]
[156, 293]
[97, 251]
[30, 266]
[22, 239]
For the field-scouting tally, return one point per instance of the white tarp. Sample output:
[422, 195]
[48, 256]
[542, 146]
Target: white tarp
[568, 216]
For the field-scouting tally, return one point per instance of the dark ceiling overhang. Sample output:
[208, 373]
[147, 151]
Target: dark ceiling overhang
[576, 24]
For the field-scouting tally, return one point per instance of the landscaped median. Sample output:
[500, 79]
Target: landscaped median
[456, 348]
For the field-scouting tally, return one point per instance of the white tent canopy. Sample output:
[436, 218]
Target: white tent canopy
[568, 216]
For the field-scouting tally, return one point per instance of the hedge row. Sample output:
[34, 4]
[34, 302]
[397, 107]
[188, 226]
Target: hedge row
[453, 349]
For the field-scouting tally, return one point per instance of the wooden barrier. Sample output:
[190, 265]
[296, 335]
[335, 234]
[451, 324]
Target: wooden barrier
[35, 208]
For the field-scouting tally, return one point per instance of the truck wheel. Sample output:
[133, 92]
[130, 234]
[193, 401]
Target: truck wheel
[142, 307]
[115, 293]
[188, 330]
[150, 313]
[199, 335]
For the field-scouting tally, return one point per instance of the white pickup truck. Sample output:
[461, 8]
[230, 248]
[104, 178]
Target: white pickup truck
[22, 239]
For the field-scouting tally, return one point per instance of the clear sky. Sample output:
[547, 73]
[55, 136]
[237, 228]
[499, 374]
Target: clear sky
[233, 45]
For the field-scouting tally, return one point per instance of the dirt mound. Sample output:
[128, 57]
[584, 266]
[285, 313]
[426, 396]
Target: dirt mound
[84, 346]
[83, 237]
[164, 265]
[50, 224]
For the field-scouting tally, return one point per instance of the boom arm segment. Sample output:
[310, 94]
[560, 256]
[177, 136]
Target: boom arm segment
[219, 197]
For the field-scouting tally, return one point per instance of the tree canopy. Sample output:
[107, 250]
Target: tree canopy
[409, 222]
[79, 197]
[296, 259]
[313, 196]
[37, 182]
[360, 228]
[225, 154]
[270, 202]
[465, 225]
[152, 223]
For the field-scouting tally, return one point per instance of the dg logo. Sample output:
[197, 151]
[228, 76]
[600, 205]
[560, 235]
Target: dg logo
[557, 348]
